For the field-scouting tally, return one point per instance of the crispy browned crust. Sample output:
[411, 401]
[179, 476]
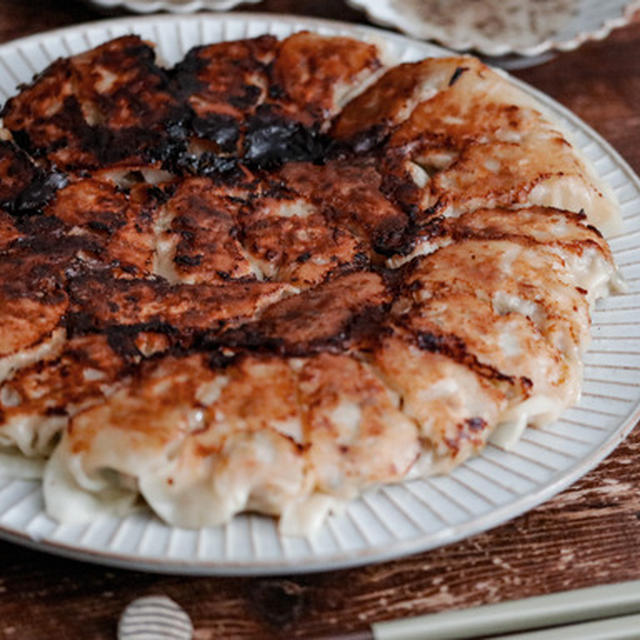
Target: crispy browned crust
[350, 194]
[204, 228]
[8, 231]
[32, 295]
[373, 113]
[112, 301]
[80, 373]
[265, 233]
[110, 104]
[313, 70]
[17, 172]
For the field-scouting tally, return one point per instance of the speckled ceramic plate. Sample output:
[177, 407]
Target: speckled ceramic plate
[588, 20]
[395, 520]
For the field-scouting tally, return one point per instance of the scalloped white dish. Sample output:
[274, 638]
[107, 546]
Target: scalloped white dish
[574, 22]
[396, 520]
[172, 6]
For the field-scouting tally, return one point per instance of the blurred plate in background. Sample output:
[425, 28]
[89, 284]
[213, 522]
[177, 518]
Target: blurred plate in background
[502, 27]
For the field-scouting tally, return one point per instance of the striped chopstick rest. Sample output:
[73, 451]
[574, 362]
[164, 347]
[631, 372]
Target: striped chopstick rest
[154, 618]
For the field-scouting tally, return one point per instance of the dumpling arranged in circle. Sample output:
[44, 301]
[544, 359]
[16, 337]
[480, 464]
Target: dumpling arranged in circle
[281, 272]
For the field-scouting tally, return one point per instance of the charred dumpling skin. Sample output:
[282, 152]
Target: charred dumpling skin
[278, 273]
[17, 172]
[110, 104]
[456, 136]
[269, 101]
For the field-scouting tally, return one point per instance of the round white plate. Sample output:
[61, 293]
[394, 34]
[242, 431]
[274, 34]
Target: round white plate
[592, 20]
[393, 521]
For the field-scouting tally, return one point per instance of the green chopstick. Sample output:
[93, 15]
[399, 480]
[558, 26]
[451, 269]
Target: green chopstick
[564, 608]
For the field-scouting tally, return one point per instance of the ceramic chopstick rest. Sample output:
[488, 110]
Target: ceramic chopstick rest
[154, 618]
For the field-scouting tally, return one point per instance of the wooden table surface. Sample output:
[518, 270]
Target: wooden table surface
[588, 535]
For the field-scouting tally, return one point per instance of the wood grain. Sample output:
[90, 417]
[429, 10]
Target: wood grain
[587, 535]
